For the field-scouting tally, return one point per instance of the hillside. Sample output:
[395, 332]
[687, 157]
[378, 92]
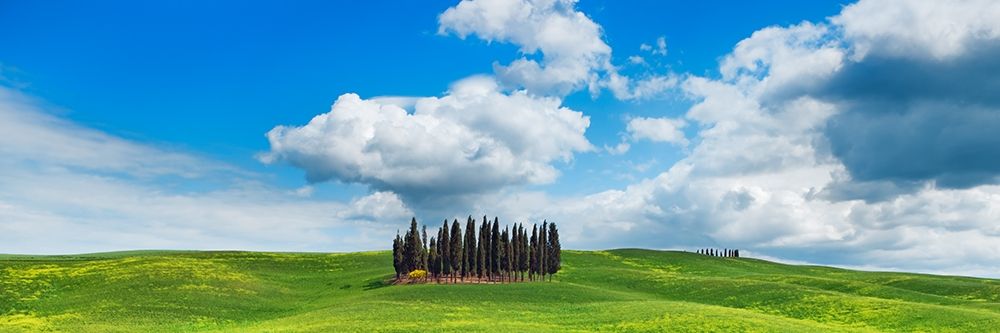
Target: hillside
[617, 290]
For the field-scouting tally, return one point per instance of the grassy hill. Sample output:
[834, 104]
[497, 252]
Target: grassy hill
[618, 290]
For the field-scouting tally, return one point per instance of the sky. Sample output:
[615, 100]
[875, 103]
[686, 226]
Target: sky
[854, 134]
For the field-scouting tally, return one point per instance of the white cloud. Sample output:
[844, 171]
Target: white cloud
[941, 29]
[474, 139]
[618, 149]
[574, 54]
[570, 42]
[657, 130]
[65, 188]
[661, 46]
[636, 60]
[754, 178]
[626, 88]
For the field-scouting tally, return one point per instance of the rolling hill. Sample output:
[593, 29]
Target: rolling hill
[616, 290]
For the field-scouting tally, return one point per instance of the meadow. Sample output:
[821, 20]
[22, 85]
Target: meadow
[615, 290]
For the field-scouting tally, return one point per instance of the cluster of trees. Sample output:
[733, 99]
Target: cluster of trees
[730, 253]
[492, 254]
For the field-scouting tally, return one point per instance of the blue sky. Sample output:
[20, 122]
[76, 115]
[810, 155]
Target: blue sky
[212, 78]
[751, 125]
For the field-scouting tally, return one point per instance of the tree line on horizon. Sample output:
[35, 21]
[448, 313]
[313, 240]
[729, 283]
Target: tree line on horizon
[492, 254]
[728, 253]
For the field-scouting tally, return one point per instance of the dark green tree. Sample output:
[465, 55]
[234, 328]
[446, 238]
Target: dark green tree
[444, 249]
[469, 268]
[543, 250]
[483, 249]
[525, 252]
[397, 255]
[495, 248]
[433, 261]
[411, 248]
[533, 253]
[508, 255]
[515, 251]
[456, 250]
[555, 250]
[423, 249]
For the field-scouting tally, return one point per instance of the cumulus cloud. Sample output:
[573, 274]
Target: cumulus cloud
[570, 42]
[657, 130]
[573, 52]
[915, 28]
[830, 143]
[472, 140]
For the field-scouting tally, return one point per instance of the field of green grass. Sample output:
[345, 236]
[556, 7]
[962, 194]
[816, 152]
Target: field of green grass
[618, 290]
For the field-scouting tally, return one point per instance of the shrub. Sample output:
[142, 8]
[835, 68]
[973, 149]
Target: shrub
[418, 274]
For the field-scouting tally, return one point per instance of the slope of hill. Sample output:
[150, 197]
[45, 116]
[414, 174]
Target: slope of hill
[617, 290]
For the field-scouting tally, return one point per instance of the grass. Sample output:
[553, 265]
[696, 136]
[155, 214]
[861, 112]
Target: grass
[617, 290]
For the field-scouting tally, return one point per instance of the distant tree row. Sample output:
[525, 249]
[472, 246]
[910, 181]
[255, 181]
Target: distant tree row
[731, 253]
[491, 254]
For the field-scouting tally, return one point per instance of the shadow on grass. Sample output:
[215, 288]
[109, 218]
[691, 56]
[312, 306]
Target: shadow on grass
[377, 283]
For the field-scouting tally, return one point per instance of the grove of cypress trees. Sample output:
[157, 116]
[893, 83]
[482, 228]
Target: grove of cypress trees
[555, 250]
[456, 249]
[469, 267]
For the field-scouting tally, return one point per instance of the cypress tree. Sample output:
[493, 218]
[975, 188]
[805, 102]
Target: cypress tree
[515, 251]
[469, 267]
[509, 255]
[423, 249]
[495, 249]
[397, 255]
[542, 249]
[482, 250]
[533, 265]
[411, 248]
[456, 250]
[525, 252]
[555, 250]
[444, 249]
[434, 264]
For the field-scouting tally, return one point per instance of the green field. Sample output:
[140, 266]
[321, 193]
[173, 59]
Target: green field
[618, 290]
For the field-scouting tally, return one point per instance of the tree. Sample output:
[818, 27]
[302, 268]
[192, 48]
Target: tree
[444, 247]
[423, 250]
[397, 255]
[495, 248]
[508, 262]
[434, 262]
[483, 249]
[411, 247]
[737, 253]
[542, 249]
[555, 250]
[515, 251]
[456, 249]
[533, 268]
[525, 252]
[469, 267]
